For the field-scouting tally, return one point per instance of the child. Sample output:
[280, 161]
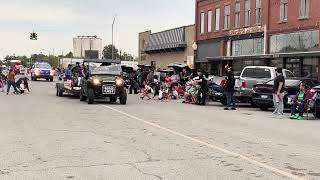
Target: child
[146, 91]
[22, 88]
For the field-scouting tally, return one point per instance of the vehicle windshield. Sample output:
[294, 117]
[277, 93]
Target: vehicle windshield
[101, 70]
[257, 73]
[43, 66]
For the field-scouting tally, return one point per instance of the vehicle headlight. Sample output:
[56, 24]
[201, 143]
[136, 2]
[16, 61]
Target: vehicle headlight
[37, 72]
[96, 81]
[119, 82]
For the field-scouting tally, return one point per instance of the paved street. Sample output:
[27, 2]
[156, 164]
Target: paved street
[47, 137]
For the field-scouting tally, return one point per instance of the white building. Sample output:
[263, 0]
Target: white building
[89, 47]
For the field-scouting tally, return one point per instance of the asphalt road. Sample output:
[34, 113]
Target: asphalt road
[47, 137]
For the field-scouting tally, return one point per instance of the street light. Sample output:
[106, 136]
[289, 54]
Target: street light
[114, 19]
[195, 48]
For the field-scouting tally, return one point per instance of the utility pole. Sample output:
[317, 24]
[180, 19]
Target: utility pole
[114, 19]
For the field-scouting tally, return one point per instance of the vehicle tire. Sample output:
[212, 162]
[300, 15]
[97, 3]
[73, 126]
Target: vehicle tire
[90, 97]
[264, 108]
[123, 96]
[82, 96]
[59, 91]
[113, 99]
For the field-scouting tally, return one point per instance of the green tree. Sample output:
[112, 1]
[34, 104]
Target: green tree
[107, 52]
[69, 55]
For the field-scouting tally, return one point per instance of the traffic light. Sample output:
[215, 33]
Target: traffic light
[33, 36]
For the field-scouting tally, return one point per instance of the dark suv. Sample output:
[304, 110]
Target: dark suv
[103, 80]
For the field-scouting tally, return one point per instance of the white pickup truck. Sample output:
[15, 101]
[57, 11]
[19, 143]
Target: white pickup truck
[250, 76]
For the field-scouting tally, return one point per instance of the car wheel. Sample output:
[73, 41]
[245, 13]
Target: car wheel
[264, 108]
[123, 96]
[60, 92]
[90, 97]
[82, 96]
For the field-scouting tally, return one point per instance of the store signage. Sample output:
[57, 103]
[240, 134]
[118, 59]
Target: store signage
[248, 30]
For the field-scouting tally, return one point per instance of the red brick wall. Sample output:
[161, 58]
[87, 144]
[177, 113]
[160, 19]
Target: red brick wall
[294, 23]
[207, 5]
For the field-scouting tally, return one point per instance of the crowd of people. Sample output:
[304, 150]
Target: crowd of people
[9, 80]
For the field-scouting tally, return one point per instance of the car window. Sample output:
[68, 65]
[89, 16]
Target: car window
[289, 74]
[256, 73]
[43, 66]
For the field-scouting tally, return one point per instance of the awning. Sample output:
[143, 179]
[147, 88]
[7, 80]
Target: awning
[229, 58]
[297, 54]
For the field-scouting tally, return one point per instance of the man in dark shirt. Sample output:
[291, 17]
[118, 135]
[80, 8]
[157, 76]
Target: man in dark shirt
[229, 89]
[278, 92]
[203, 92]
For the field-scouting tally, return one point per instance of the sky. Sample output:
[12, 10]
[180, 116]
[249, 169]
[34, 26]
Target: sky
[58, 21]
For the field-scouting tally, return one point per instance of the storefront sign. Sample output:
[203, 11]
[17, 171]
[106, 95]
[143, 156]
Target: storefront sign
[248, 30]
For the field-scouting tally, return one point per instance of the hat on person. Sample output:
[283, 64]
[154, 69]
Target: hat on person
[279, 70]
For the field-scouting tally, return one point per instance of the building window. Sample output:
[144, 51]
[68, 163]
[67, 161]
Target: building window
[247, 47]
[304, 8]
[258, 11]
[283, 10]
[247, 13]
[237, 15]
[227, 17]
[202, 23]
[209, 21]
[217, 25]
[295, 42]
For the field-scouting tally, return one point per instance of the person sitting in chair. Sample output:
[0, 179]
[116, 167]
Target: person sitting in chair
[300, 101]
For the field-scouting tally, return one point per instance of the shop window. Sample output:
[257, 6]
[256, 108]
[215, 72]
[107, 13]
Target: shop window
[276, 63]
[310, 67]
[247, 47]
[295, 42]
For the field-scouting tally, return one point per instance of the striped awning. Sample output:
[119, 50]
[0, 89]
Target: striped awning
[167, 40]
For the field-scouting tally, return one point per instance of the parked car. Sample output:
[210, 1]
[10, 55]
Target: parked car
[315, 108]
[252, 75]
[263, 92]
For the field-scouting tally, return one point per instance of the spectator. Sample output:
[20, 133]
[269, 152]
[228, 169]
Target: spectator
[185, 74]
[203, 92]
[229, 89]
[278, 89]
[68, 72]
[300, 102]
[11, 82]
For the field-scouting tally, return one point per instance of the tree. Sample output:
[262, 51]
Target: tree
[69, 55]
[107, 52]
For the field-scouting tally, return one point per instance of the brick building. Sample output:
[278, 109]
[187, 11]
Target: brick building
[258, 32]
[170, 46]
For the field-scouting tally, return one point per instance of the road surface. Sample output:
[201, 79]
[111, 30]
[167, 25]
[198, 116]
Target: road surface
[47, 137]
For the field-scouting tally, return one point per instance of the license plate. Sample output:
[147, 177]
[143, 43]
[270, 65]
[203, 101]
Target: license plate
[264, 96]
[108, 90]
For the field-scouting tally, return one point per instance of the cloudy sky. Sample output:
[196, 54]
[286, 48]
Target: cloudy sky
[58, 21]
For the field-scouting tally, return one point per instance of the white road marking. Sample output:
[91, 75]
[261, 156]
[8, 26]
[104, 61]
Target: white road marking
[266, 166]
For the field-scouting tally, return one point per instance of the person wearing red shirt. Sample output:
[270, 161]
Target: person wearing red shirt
[11, 82]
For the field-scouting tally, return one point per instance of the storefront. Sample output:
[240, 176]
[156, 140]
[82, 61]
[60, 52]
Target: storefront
[207, 50]
[298, 52]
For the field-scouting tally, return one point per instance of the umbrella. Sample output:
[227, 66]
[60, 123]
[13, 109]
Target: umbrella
[179, 66]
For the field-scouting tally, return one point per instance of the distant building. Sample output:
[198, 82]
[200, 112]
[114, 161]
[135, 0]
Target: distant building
[89, 47]
[165, 47]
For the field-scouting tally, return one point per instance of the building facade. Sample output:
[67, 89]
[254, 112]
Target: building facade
[258, 32]
[89, 47]
[170, 46]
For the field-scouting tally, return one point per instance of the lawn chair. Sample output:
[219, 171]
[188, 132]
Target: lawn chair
[311, 107]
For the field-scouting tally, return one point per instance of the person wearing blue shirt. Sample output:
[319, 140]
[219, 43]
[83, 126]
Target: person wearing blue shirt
[68, 72]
